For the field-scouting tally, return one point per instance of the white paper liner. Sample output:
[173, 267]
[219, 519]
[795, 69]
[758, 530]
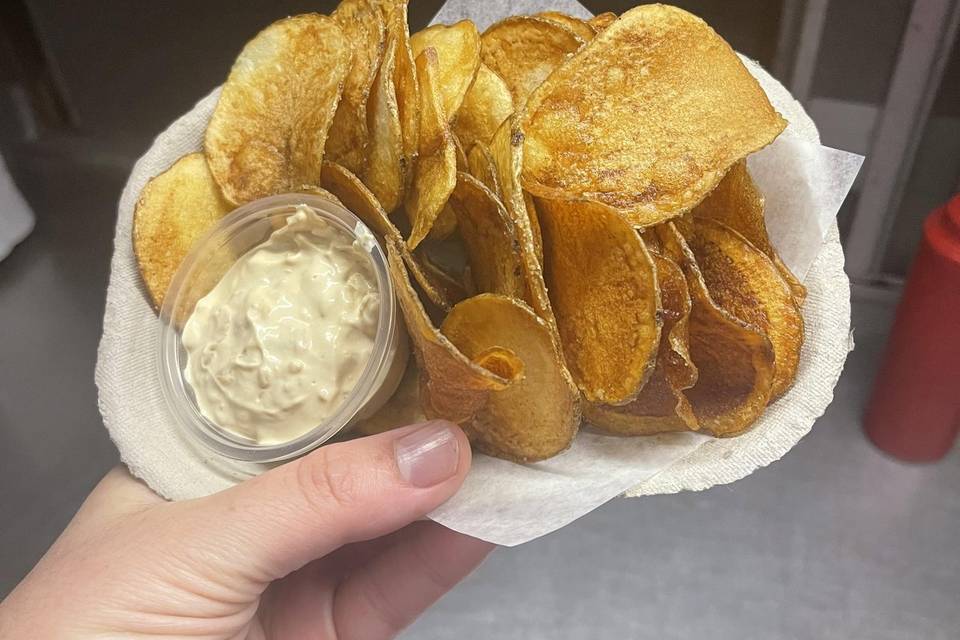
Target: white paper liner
[804, 184]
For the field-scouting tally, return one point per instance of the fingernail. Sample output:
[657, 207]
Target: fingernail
[429, 455]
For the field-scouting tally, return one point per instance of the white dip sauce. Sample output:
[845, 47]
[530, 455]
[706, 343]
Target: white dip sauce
[277, 346]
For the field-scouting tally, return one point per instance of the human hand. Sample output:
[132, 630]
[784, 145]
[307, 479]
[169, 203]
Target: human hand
[322, 547]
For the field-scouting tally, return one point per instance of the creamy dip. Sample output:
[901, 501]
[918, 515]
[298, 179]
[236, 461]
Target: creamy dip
[279, 343]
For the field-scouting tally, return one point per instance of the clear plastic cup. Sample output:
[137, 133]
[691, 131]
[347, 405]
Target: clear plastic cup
[209, 259]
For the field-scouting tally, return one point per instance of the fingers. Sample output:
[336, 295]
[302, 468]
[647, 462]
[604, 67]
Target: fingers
[386, 595]
[341, 493]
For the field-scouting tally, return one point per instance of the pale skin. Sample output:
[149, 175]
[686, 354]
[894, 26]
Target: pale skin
[327, 546]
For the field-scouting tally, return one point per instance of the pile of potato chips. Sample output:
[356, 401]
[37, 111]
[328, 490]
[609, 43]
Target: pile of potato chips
[569, 220]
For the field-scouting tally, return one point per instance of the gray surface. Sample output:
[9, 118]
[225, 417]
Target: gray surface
[834, 541]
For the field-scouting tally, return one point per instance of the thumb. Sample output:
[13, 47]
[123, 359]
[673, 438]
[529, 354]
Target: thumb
[276, 523]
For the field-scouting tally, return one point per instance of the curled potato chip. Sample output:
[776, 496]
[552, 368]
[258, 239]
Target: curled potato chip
[487, 104]
[647, 117]
[581, 28]
[746, 284]
[384, 174]
[507, 151]
[734, 360]
[482, 167]
[737, 203]
[538, 415]
[534, 225]
[601, 21]
[452, 385]
[435, 175]
[660, 407]
[604, 294]
[406, 83]
[269, 128]
[363, 25]
[490, 239]
[173, 211]
[402, 409]
[458, 49]
[461, 154]
[524, 50]
[449, 290]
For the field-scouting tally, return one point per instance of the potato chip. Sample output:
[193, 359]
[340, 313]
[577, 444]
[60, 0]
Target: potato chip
[407, 86]
[582, 29]
[534, 225]
[362, 24]
[445, 224]
[524, 50]
[490, 239]
[450, 290]
[452, 385]
[747, 285]
[604, 294]
[482, 167]
[601, 21]
[737, 203]
[461, 154]
[174, 210]
[647, 117]
[435, 175]
[384, 174]
[734, 360]
[507, 150]
[402, 409]
[487, 104]
[538, 415]
[660, 406]
[458, 49]
[269, 128]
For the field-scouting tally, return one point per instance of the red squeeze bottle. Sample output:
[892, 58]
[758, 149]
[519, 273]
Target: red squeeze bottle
[914, 413]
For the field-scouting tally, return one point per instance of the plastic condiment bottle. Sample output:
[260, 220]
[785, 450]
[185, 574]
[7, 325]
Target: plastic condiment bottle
[914, 413]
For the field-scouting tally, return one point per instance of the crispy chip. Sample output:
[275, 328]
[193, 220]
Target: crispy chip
[487, 104]
[449, 290]
[523, 50]
[269, 128]
[461, 154]
[603, 290]
[362, 24]
[734, 361]
[435, 175]
[385, 168]
[482, 167]
[747, 285]
[536, 417]
[737, 203]
[534, 225]
[173, 211]
[647, 117]
[661, 406]
[458, 48]
[490, 239]
[402, 409]
[582, 29]
[407, 86]
[452, 385]
[507, 150]
[601, 21]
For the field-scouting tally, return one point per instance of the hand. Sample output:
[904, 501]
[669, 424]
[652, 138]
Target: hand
[323, 547]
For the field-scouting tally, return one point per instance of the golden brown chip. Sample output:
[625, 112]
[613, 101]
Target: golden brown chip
[534, 225]
[647, 117]
[601, 21]
[507, 150]
[661, 406]
[385, 169]
[536, 417]
[483, 168]
[487, 104]
[408, 87]
[524, 50]
[453, 386]
[362, 24]
[458, 49]
[269, 128]
[175, 209]
[734, 361]
[435, 175]
[603, 290]
[580, 27]
[445, 224]
[461, 154]
[737, 203]
[449, 290]
[490, 239]
[402, 409]
[747, 285]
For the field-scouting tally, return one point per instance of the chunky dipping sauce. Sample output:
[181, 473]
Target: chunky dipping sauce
[279, 343]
